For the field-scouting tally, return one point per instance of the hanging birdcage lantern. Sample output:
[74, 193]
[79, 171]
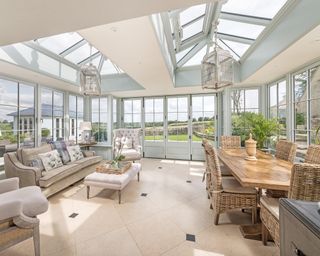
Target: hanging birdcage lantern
[216, 67]
[90, 80]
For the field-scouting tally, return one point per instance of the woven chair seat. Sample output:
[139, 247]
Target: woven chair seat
[231, 185]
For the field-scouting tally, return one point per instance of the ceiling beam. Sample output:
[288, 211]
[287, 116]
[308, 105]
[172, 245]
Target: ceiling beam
[192, 41]
[88, 59]
[101, 63]
[191, 53]
[167, 32]
[207, 23]
[238, 39]
[245, 18]
[73, 48]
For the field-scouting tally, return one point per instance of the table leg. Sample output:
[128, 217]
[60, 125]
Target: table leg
[138, 176]
[88, 192]
[119, 194]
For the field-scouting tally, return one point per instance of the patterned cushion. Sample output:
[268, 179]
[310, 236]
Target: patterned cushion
[51, 160]
[126, 142]
[37, 163]
[75, 153]
[61, 147]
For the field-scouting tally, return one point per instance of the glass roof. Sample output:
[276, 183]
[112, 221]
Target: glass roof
[192, 13]
[76, 49]
[259, 8]
[235, 35]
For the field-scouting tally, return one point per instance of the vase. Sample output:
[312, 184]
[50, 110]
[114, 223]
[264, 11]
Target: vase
[251, 149]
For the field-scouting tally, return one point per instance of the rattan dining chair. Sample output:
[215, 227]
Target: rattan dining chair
[304, 185]
[226, 192]
[207, 173]
[285, 150]
[313, 155]
[229, 142]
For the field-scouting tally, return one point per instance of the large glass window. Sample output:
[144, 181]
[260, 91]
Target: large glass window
[306, 107]
[203, 117]
[154, 119]
[132, 113]
[243, 101]
[16, 116]
[52, 115]
[75, 117]
[178, 118]
[115, 113]
[99, 117]
[277, 105]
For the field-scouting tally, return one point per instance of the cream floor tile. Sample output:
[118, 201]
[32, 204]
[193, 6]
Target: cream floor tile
[189, 249]
[116, 243]
[137, 210]
[156, 235]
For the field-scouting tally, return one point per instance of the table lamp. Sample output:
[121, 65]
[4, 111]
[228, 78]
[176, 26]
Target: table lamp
[86, 128]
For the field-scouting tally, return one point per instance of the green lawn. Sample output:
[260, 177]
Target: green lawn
[180, 137]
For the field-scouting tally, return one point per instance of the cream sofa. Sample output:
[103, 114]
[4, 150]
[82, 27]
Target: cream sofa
[17, 164]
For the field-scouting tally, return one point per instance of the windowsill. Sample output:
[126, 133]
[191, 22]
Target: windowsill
[102, 145]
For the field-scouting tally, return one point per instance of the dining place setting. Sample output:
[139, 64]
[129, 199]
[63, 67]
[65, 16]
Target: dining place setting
[258, 182]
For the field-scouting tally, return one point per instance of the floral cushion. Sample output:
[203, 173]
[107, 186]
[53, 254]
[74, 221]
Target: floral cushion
[51, 160]
[75, 153]
[61, 147]
[37, 163]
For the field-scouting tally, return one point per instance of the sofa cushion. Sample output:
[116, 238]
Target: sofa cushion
[57, 174]
[32, 200]
[28, 154]
[87, 161]
[75, 153]
[51, 160]
[61, 147]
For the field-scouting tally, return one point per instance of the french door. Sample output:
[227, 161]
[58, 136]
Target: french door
[178, 128]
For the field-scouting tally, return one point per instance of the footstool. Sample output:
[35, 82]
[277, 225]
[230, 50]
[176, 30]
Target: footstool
[112, 181]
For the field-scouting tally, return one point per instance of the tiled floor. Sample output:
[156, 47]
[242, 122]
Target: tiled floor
[155, 224]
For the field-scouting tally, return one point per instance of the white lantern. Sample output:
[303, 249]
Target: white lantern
[90, 80]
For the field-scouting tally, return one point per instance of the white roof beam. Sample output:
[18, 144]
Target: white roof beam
[238, 39]
[91, 57]
[191, 53]
[73, 48]
[192, 41]
[245, 18]
[168, 34]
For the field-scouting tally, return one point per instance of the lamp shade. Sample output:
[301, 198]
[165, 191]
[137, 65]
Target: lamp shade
[85, 126]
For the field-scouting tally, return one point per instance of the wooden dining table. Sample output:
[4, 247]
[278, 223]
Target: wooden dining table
[267, 172]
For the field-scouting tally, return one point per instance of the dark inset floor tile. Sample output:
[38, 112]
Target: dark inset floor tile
[73, 215]
[190, 237]
[189, 181]
[144, 194]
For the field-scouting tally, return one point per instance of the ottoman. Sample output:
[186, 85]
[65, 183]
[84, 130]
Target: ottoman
[112, 181]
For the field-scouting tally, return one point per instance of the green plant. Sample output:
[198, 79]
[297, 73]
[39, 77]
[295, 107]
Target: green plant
[45, 132]
[262, 128]
[317, 139]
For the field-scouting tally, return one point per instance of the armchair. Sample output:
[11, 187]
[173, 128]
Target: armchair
[18, 211]
[131, 152]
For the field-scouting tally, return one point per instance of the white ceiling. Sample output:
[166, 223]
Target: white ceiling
[26, 20]
[305, 50]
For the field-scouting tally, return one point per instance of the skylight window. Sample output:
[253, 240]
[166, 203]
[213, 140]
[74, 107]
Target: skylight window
[60, 43]
[192, 13]
[197, 58]
[81, 53]
[259, 8]
[239, 29]
[108, 68]
[181, 54]
[236, 47]
[192, 29]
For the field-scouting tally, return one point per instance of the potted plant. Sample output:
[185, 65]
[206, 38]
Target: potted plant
[261, 128]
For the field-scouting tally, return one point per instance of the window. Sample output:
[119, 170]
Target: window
[154, 119]
[99, 117]
[277, 106]
[16, 119]
[203, 117]
[306, 105]
[243, 101]
[132, 113]
[115, 113]
[52, 115]
[75, 116]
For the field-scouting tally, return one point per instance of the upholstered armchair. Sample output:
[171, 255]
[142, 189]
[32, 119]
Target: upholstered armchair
[128, 141]
[18, 213]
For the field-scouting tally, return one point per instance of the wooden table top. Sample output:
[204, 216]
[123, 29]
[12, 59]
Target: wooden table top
[267, 172]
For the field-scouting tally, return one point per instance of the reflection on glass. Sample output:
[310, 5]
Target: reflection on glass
[301, 138]
[301, 115]
[300, 87]
[315, 83]
[315, 114]
[273, 96]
